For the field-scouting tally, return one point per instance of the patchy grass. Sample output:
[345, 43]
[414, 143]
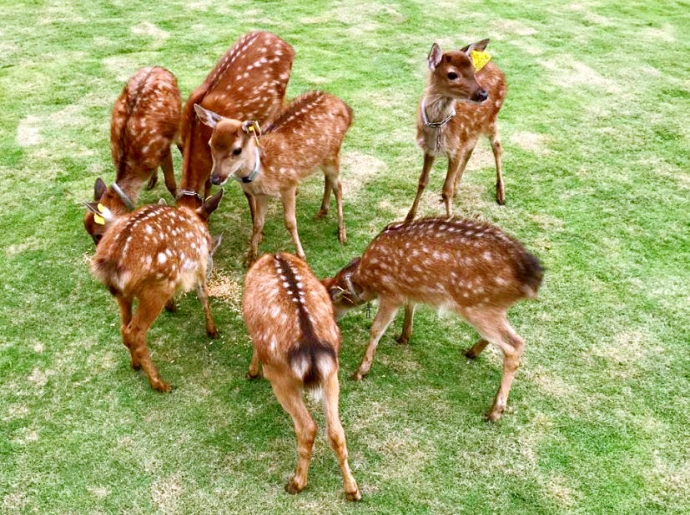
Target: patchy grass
[595, 135]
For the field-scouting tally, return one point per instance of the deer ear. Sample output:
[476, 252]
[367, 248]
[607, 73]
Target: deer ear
[207, 117]
[479, 45]
[336, 294]
[210, 205]
[434, 57]
[99, 189]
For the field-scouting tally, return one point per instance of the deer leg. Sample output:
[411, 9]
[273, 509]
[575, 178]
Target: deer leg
[151, 303]
[125, 305]
[456, 167]
[326, 202]
[207, 188]
[500, 186]
[476, 349]
[202, 293]
[153, 180]
[406, 334]
[336, 435]
[384, 316]
[494, 327]
[288, 198]
[258, 227]
[332, 171]
[290, 398]
[252, 204]
[254, 371]
[461, 170]
[423, 180]
[169, 174]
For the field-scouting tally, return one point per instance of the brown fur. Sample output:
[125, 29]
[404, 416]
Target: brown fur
[474, 118]
[248, 82]
[143, 125]
[470, 267]
[149, 255]
[296, 341]
[306, 136]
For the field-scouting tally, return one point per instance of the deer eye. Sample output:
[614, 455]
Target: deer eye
[452, 75]
[237, 151]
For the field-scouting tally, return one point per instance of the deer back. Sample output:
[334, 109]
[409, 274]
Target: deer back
[154, 246]
[290, 317]
[248, 82]
[443, 262]
[144, 123]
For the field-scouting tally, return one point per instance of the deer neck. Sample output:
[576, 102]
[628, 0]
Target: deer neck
[436, 109]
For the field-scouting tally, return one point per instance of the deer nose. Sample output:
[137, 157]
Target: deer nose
[215, 180]
[480, 95]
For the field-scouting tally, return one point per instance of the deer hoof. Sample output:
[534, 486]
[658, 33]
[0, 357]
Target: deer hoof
[321, 213]
[162, 387]
[253, 375]
[493, 415]
[403, 339]
[212, 332]
[342, 237]
[357, 376]
[353, 496]
[293, 487]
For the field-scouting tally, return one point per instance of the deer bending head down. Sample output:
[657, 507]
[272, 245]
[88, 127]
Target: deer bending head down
[470, 267]
[464, 93]
[248, 83]
[143, 126]
[296, 341]
[307, 135]
[149, 255]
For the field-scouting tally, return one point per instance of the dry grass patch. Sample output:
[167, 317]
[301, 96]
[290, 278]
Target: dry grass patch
[568, 72]
[227, 287]
[166, 491]
[358, 169]
[530, 141]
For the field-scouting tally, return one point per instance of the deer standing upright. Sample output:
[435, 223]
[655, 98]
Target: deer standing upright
[249, 82]
[470, 267]
[149, 255]
[296, 340]
[143, 125]
[460, 103]
[307, 135]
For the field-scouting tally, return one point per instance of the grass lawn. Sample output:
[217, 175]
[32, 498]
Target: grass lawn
[596, 137]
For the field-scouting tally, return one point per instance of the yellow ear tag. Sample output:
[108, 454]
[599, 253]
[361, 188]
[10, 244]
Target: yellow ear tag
[479, 59]
[100, 207]
[98, 219]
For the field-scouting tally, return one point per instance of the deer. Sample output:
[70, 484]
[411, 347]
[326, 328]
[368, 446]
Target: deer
[464, 93]
[248, 82]
[144, 124]
[307, 135]
[149, 255]
[296, 342]
[466, 266]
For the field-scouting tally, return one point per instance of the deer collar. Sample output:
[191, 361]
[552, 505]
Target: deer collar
[123, 197]
[352, 290]
[257, 168]
[435, 125]
[190, 193]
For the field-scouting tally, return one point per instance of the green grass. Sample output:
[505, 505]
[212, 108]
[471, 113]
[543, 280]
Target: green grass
[596, 160]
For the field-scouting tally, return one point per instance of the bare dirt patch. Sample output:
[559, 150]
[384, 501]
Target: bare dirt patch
[166, 491]
[568, 72]
[226, 287]
[29, 131]
[530, 141]
[357, 169]
[149, 29]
